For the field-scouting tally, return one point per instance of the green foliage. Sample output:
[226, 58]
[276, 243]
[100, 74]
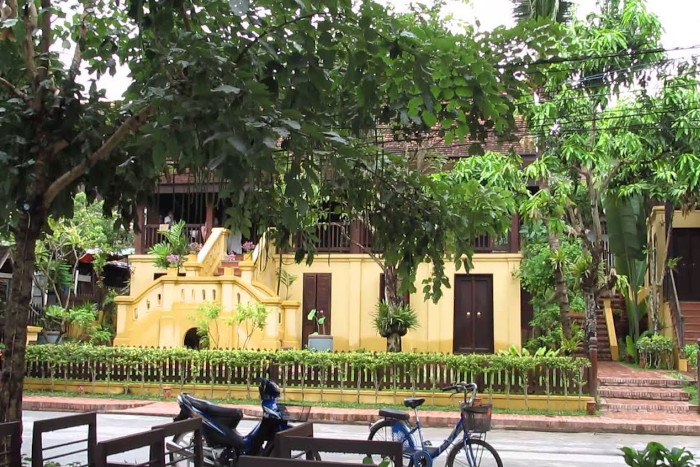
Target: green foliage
[515, 351]
[70, 320]
[374, 366]
[204, 316]
[549, 334]
[535, 272]
[656, 351]
[69, 238]
[690, 351]
[390, 319]
[170, 253]
[656, 454]
[253, 316]
[631, 348]
[627, 229]
[543, 10]
[319, 318]
[286, 279]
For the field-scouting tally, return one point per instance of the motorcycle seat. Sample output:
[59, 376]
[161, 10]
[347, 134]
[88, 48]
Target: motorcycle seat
[214, 409]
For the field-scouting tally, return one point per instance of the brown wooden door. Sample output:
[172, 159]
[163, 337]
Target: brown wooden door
[473, 314]
[316, 294]
[686, 247]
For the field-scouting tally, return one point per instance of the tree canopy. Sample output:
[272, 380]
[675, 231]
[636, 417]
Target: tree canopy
[275, 99]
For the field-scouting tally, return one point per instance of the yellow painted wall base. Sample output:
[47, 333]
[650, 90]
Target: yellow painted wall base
[310, 395]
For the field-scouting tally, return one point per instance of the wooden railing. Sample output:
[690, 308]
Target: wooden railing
[151, 236]
[346, 377]
[48, 454]
[10, 444]
[676, 314]
[301, 438]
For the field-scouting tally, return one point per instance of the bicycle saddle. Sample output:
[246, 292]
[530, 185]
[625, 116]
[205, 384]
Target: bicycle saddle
[413, 402]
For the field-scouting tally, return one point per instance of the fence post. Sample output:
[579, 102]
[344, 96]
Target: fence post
[593, 372]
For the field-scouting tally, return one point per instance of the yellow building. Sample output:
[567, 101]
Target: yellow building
[678, 287]
[481, 312]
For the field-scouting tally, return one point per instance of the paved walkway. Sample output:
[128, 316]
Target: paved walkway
[687, 423]
[619, 422]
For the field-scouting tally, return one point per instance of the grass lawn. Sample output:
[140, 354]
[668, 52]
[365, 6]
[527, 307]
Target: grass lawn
[345, 405]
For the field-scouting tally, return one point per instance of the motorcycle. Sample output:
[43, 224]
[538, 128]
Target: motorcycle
[223, 444]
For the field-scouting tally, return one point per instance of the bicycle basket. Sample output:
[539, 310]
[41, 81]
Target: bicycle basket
[476, 418]
[294, 413]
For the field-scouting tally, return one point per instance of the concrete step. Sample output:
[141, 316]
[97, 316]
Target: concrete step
[220, 272]
[608, 404]
[650, 382]
[643, 393]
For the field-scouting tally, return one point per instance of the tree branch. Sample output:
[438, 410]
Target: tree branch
[14, 89]
[266, 32]
[131, 124]
[28, 43]
[45, 43]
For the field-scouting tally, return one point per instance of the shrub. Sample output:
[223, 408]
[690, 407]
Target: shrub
[656, 351]
[658, 454]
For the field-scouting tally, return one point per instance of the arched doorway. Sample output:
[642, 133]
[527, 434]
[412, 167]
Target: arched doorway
[192, 340]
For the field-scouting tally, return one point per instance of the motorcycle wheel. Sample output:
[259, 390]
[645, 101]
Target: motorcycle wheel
[180, 449]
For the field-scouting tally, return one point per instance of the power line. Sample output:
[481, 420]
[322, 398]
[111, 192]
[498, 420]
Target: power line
[603, 117]
[581, 58]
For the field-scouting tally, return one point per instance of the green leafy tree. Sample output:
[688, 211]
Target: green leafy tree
[269, 97]
[560, 11]
[68, 239]
[536, 274]
[253, 316]
[582, 151]
[205, 318]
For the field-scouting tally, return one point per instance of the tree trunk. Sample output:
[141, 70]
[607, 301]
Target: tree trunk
[391, 286]
[393, 343]
[561, 289]
[17, 316]
[392, 298]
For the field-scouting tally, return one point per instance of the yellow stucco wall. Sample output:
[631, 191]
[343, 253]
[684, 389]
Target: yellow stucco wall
[159, 313]
[657, 233]
[355, 293]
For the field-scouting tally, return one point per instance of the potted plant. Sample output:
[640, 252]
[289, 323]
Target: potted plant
[171, 252]
[393, 322]
[59, 321]
[248, 248]
[51, 325]
[319, 340]
[192, 250]
[229, 261]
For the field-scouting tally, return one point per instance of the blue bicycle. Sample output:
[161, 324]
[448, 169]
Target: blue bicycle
[472, 450]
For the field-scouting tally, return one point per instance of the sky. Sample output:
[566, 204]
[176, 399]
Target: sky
[679, 18]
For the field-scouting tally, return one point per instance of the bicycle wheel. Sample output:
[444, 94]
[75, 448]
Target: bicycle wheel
[482, 455]
[385, 431]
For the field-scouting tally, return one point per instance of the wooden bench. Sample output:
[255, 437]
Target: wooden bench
[301, 438]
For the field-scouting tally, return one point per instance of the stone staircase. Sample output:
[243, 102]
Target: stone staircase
[650, 392]
[691, 322]
[220, 271]
[604, 353]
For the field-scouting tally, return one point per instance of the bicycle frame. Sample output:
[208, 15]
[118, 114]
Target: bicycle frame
[446, 444]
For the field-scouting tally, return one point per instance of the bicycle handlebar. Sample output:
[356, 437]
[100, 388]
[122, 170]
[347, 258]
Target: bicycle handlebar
[464, 387]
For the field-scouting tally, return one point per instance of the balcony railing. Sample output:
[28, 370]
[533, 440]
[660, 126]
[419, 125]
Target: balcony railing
[151, 234]
[356, 237]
